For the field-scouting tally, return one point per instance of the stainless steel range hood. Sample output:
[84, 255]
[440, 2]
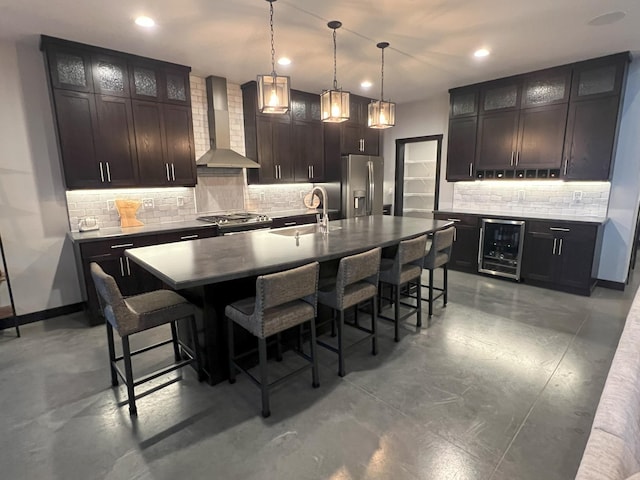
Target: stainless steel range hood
[220, 154]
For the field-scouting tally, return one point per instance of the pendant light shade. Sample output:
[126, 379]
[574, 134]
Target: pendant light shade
[274, 91]
[334, 103]
[382, 114]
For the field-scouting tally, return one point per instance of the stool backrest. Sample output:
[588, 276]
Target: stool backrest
[282, 287]
[409, 252]
[440, 251]
[112, 303]
[362, 266]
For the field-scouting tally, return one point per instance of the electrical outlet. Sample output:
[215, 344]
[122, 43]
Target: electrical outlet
[521, 195]
[111, 204]
[180, 201]
[147, 202]
[577, 196]
[262, 197]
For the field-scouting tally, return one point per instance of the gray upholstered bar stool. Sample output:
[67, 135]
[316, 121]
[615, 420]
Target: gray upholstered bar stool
[283, 300]
[438, 255]
[139, 313]
[356, 282]
[404, 269]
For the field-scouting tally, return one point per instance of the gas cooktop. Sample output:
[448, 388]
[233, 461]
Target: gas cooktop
[238, 221]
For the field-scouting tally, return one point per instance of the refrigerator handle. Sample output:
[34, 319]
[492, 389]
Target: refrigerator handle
[370, 187]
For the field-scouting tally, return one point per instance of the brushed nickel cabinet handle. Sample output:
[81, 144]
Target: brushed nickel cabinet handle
[471, 169]
[553, 252]
[101, 173]
[122, 245]
[126, 259]
[566, 164]
[108, 172]
[517, 158]
[559, 229]
[290, 224]
[189, 237]
[453, 219]
[173, 172]
[511, 163]
[480, 247]
[560, 248]
[166, 165]
[121, 267]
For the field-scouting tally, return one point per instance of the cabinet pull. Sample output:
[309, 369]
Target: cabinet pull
[553, 252]
[167, 168]
[566, 164]
[559, 229]
[560, 247]
[453, 219]
[101, 173]
[313, 173]
[511, 163]
[517, 158]
[126, 259]
[189, 237]
[480, 247]
[122, 245]
[121, 267]
[455, 237]
[290, 224]
[173, 172]
[108, 172]
[471, 169]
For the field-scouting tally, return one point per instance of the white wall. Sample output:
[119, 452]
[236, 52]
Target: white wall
[625, 187]
[418, 119]
[33, 218]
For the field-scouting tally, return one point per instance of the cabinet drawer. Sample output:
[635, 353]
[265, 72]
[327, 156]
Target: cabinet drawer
[184, 235]
[458, 218]
[114, 247]
[561, 229]
[292, 221]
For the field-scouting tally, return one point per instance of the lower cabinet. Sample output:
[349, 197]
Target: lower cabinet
[131, 278]
[464, 254]
[561, 255]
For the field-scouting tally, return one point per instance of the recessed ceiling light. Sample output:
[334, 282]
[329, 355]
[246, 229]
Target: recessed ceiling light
[366, 84]
[481, 52]
[284, 61]
[607, 19]
[145, 21]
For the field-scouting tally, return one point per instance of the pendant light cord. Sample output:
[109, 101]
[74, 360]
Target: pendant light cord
[382, 78]
[273, 48]
[335, 67]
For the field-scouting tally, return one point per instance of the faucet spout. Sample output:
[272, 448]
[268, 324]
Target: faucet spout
[324, 222]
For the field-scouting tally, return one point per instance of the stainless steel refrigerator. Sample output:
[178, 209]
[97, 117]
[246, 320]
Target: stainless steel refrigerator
[361, 185]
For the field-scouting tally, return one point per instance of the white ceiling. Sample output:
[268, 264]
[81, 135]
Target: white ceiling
[432, 41]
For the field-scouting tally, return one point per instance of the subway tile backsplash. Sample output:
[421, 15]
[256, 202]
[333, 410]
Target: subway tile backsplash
[552, 198]
[98, 203]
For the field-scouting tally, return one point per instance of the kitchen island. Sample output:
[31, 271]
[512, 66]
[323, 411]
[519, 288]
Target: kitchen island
[214, 272]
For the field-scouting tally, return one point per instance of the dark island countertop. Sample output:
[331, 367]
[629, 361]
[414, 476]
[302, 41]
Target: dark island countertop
[219, 259]
[528, 216]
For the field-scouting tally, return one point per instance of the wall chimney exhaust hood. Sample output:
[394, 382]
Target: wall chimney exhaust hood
[220, 154]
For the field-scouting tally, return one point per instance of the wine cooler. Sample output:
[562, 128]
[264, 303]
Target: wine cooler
[500, 249]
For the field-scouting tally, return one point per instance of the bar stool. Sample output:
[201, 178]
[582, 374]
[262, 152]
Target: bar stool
[404, 269]
[283, 300]
[356, 282]
[139, 313]
[438, 255]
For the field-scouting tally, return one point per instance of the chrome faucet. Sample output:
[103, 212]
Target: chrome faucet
[324, 221]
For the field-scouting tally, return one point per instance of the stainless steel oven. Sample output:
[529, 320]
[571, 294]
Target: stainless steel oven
[500, 249]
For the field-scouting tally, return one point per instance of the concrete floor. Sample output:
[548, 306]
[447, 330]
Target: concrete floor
[502, 385]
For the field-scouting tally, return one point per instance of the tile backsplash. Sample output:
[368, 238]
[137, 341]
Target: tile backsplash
[551, 198]
[273, 198]
[101, 205]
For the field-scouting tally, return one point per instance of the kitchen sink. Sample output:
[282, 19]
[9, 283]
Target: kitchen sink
[302, 230]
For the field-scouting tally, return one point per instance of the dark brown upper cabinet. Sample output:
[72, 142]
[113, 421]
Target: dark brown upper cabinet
[122, 120]
[461, 148]
[307, 137]
[500, 95]
[356, 136]
[110, 75]
[463, 102]
[603, 77]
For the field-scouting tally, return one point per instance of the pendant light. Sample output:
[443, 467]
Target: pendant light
[382, 114]
[335, 102]
[273, 90]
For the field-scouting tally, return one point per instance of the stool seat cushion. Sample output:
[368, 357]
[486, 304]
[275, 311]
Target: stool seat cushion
[153, 309]
[388, 273]
[274, 320]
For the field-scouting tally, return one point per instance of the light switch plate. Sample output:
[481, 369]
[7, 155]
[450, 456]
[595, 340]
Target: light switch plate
[180, 201]
[577, 196]
[111, 204]
[147, 202]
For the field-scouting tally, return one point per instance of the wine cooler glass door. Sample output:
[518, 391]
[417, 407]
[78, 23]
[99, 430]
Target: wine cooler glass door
[500, 249]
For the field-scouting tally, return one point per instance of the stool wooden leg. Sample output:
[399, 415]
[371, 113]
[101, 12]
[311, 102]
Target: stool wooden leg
[446, 282]
[264, 377]
[430, 292]
[341, 344]
[196, 348]
[230, 349]
[112, 355]
[128, 373]
[176, 346]
[374, 327]
[314, 355]
[397, 314]
[419, 302]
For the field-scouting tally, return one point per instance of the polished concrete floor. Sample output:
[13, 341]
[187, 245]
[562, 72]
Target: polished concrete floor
[502, 385]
